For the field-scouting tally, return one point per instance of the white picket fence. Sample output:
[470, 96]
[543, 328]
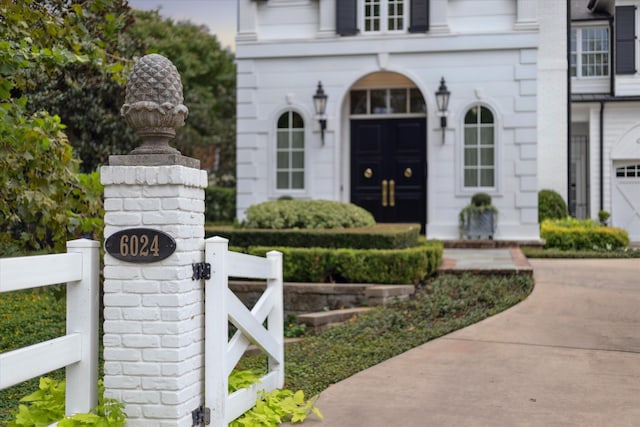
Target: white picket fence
[78, 349]
[223, 306]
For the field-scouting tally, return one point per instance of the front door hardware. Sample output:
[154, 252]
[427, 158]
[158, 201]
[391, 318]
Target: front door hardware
[201, 270]
[201, 416]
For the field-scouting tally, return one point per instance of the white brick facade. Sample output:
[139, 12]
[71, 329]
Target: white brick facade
[154, 312]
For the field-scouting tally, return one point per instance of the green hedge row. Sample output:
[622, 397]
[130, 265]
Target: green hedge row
[387, 266]
[379, 236]
[583, 237]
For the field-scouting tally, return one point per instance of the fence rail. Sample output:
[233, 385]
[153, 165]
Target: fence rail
[223, 306]
[78, 349]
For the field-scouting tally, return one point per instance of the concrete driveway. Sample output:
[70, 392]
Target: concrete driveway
[569, 355]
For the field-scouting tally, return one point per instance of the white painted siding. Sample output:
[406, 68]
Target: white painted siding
[481, 16]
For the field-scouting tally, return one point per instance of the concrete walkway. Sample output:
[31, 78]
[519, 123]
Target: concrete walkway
[569, 355]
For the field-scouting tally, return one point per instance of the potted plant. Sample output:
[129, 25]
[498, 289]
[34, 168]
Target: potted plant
[603, 216]
[478, 219]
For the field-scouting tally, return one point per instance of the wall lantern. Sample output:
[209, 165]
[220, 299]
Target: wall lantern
[442, 99]
[320, 104]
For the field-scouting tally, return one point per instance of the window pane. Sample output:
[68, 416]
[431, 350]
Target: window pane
[378, 101]
[485, 115]
[297, 180]
[486, 135]
[297, 160]
[417, 101]
[486, 157]
[470, 157]
[470, 136]
[471, 117]
[486, 177]
[358, 102]
[283, 139]
[283, 160]
[470, 178]
[398, 101]
[283, 121]
[297, 139]
[282, 180]
[297, 121]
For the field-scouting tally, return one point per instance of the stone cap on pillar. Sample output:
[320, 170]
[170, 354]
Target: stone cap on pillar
[153, 107]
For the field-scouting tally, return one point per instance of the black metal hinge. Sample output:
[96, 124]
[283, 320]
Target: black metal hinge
[201, 270]
[201, 416]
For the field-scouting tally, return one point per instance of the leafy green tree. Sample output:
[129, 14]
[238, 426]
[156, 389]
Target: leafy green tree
[87, 99]
[208, 77]
[39, 184]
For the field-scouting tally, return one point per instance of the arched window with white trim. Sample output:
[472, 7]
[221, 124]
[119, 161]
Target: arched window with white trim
[479, 151]
[290, 164]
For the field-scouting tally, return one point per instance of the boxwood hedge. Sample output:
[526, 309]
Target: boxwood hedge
[379, 236]
[387, 266]
[572, 234]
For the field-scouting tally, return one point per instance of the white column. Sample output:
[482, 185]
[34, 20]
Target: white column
[154, 312]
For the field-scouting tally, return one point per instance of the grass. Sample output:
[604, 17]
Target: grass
[26, 318]
[442, 305]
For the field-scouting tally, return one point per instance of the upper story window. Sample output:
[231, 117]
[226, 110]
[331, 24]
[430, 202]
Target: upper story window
[590, 52]
[479, 151]
[382, 16]
[290, 152]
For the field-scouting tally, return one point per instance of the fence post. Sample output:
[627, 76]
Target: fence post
[275, 321]
[217, 327]
[82, 318]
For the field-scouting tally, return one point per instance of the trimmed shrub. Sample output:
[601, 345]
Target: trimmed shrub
[481, 199]
[379, 236]
[573, 234]
[551, 205]
[390, 266]
[220, 204]
[284, 214]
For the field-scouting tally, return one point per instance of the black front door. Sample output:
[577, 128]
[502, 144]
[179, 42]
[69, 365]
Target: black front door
[388, 168]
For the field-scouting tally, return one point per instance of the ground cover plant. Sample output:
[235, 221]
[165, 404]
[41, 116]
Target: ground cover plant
[443, 305]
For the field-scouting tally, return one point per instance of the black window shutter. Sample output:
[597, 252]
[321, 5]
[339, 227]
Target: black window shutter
[419, 22]
[346, 17]
[625, 39]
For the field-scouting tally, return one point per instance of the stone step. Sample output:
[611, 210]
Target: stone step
[323, 319]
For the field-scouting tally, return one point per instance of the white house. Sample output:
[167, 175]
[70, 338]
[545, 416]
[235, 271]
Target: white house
[383, 142]
[605, 112]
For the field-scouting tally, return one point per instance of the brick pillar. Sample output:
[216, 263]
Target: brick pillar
[154, 311]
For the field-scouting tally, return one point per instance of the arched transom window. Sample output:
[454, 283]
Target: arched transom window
[479, 148]
[290, 152]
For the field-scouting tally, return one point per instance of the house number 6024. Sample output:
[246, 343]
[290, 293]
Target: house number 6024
[140, 245]
[135, 245]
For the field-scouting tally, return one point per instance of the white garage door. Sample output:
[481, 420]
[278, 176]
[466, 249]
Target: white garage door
[626, 200]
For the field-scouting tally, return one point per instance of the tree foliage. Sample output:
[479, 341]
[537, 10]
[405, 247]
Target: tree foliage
[39, 184]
